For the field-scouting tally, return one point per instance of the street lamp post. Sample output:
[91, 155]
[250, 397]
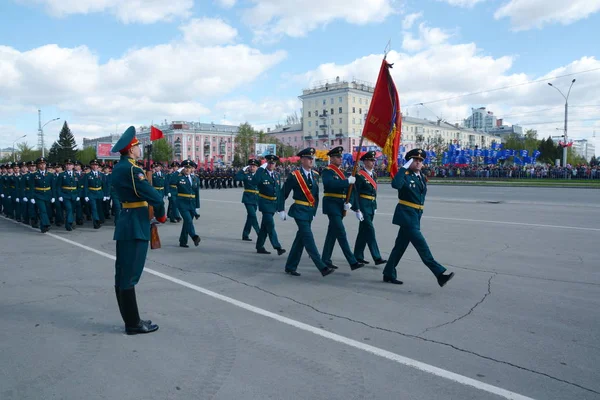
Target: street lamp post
[566, 117]
[42, 133]
[13, 147]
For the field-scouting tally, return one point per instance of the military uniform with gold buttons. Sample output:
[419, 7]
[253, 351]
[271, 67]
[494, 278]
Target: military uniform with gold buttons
[41, 186]
[269, 189]
[188, 202]
[249, 198]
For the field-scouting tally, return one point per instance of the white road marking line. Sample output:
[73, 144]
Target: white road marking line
[409, 362]
[577, 228]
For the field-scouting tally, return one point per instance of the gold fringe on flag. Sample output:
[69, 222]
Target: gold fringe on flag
[388, 149]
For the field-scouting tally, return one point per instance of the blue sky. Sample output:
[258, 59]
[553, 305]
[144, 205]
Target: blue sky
[106, 64]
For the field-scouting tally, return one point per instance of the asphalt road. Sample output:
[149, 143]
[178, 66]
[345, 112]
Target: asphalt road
[519, 319]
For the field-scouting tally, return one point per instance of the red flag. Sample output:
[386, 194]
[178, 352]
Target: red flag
[384, 121]
[155, 134]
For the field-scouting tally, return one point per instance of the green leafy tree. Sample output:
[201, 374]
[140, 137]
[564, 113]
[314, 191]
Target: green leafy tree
[161, 150]
[244, 141]
[86, 155]
[237, 161]
[54, 153]
[593, 161]
[24, 152]
[67, 146]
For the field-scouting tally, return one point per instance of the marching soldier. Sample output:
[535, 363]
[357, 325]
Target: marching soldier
[132, 232]
[30, 194]
[188, 202]
[365, 208]
[80, 193]
[95, 193]
[59, 218]
[304, 183]
[171, 190]
[412, 188]
[9, 189]
[67, 185]
[41, 186]
[269, 191]
[106, 205]
[335, 187]
[18, 192]
[158, 178]
[249, 197]
[24, 193]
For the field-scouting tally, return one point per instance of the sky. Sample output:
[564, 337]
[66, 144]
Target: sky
[103, 65]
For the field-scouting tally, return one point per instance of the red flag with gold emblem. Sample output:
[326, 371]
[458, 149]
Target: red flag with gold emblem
[384, 120]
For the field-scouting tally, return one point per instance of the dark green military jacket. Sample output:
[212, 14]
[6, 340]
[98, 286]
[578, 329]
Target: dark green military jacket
[411, 191]
[188, 194]
[94, 186]
[67, 186]
[131, 186]
[171, 183]
[41, 185]
[364, 193]
[269, 188]
[158, 182]
[297, 210]
[334, 184]
[250, 195]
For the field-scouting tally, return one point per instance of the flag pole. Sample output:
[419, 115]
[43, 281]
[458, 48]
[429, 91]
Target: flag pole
[362, 137]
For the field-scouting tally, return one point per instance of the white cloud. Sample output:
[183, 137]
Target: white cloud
[226, 3]
[448, 71]
[208, 32]
[127, 11]
[271, 19]
[427, 37]
[410, 19]
[462, 3]
[527, 14]
[262, 114]
[178, 80]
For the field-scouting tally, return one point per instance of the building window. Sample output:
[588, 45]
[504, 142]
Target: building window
[360, 110]
[353, 110]
[340, 131]
[332, 142]
[353, 99]
[316, 113]
[360, 100]
[340, 110]
[340, 120]
[324, 112]
[324, 102]
[309, 114]
[339, 99]
[332, 121]
[331, 101]
[309, 124]
[331, 111]
[353, 131]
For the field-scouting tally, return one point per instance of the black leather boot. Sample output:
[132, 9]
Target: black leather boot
[133, 324]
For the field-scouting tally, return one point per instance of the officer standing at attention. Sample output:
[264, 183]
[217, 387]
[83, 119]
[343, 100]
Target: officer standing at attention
[412, 188]
[41, 186]
[188, 202]
[335, 186]
[365, 207]
[304, 182]
[268, 182]
[132, 232]
[249, 197]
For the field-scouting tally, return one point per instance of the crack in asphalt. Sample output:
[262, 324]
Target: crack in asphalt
[411, 336]
[506, 247]
[489, 292]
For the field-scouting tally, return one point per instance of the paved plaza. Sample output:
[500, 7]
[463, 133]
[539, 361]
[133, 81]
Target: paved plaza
[519, 320]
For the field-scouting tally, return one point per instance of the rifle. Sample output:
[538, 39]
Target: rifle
[154, 238]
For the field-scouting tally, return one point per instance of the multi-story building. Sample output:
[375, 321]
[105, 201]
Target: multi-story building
[584, 148]
[201, 142]
[480, 119]
[6, 153]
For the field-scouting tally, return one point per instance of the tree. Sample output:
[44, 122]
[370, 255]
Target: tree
[549, 151]
[292, 119]
[54, 153]
[67, 146]
[26, 153]
[593, 161]
[244, 141]
[86, 155]
[237, 161]
[161, 150]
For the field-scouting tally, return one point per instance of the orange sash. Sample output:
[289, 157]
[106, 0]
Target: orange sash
[307, 193]
[366, 175]
[337, 171]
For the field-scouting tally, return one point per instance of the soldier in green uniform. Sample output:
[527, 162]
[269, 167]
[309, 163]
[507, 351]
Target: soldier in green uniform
[2, 188]
[29, 195]
[80, 193]
[268, 182]
[43, 197]
[24, 193]
[132, 232]
[171, 190]
[249, 197]
[18, 192]
[9, 188]
[59, 218]
[412, 188]
[335, 187]
[106, 205]
[304, 182]
[95, 193]
[188, 202]
[365, 207]
[67, 187]
[158, 178]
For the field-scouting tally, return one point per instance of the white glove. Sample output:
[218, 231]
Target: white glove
[77, 199]
[60, 199]
[153, 221]
[32, 201]
[282, 215]
[245, 168]
[374, 212]
[52, 200]
[169, 195]
[17, 200]
[9, 197]
[264, 166]
[25, 199]
[180, 169]
[347, 206]
[197, 211]
[351, 180]
[359, 216]
[2, 195]
[87, 199]
[407, 164]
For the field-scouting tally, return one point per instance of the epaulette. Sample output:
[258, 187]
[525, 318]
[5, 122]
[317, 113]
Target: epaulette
[180, 174]
[315, 172]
